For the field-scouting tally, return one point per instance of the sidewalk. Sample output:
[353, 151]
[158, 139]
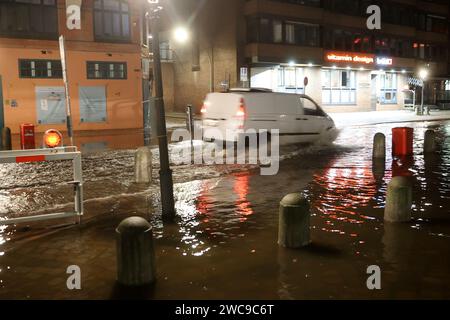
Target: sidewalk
[350, 119]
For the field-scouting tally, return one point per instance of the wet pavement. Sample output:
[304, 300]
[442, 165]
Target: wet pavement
[224, 244]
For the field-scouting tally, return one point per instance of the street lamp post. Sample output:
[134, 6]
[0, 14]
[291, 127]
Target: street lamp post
[165, 173]
[423, 74]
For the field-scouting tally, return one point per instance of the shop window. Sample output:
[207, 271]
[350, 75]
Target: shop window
[338, 87]
[44, 69]
[50, 105]
[311, 108]
[388, 88]
[106, 70]
[111, 20]
[290, 79]
[36, 19]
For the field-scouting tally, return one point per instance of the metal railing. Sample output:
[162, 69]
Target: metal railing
[42, 155]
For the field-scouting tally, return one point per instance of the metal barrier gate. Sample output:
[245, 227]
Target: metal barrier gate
[42, 155]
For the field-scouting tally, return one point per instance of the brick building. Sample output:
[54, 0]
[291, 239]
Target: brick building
[104, 65]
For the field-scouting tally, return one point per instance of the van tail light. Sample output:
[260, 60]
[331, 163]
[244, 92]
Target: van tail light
[241, 111]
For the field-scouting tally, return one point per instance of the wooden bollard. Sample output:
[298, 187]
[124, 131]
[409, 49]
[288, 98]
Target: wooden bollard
[398, 200]
[429, 145]
[294, 221]
[5, 142]
[379, 146]
[143, 165]
[135, 253]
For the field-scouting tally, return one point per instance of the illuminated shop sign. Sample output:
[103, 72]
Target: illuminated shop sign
[350, 57]
[383, 61]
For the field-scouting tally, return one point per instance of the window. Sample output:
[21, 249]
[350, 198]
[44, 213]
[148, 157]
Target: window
[111, 20]
[338, 87]
[37, 19]
[92, 102]
[432, 23]
[345, 40]
[165, 51]
[106, 70]
[252, 30]
[267, 30]
[447, 85]
[50, 105]
[51, 69]
[290, 33]
[277, 31]
[388, 91]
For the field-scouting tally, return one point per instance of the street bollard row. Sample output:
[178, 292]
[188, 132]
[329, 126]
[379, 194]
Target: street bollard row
[135, 250]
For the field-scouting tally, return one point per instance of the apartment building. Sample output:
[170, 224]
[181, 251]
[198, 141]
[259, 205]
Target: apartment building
[103, 64]
[276, 44]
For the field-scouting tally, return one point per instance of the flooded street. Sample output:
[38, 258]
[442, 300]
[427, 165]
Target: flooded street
[224, 245]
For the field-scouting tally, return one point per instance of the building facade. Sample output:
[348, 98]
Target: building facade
[103, 65]
[276, 44]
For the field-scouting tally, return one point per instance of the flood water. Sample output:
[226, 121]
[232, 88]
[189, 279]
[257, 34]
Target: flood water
[224, 244]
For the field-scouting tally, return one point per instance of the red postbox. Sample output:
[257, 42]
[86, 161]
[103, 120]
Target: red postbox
[402, 142]
[27, 138]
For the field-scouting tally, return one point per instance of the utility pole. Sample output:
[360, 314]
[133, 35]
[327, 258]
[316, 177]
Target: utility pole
[165, 173]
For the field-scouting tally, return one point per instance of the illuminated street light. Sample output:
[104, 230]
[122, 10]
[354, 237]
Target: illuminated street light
[181, 35]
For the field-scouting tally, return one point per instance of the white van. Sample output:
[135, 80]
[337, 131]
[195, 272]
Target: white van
[297, 117]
